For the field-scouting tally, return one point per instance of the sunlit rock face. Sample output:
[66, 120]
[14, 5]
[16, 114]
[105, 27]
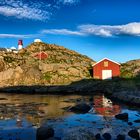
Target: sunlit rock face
[53, 65]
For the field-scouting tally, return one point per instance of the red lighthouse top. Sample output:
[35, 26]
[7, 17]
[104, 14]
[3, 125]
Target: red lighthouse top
[20, 42]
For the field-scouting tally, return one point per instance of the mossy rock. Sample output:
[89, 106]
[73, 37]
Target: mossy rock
[8, 59]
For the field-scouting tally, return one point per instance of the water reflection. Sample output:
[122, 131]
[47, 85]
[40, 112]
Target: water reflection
[20, 115]
[105, 107]
[33, 108]
[37, 108]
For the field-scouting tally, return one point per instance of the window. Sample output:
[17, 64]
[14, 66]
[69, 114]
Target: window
[106, 64]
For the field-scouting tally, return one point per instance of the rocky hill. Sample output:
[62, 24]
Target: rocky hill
[62, 66]
[131, 69]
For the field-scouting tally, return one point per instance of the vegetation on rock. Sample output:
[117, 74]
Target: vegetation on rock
[130, 69]
[62, 66]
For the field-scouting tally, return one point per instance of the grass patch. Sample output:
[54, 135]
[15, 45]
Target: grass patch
[8, 59]
[47, 76]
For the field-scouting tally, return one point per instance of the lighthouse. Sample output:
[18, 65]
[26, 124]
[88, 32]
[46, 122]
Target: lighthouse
[20, 44]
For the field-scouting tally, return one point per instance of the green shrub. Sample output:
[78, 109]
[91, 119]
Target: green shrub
[47, 76]
[8, 59]
[126, 74]
[27, 53]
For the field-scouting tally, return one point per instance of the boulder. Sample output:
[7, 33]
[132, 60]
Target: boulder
[130, 123]
[79, 133]
[73, 71]
[57, 67]
[18, 69]
[17, 72]
[98, 136]
[62, 72]
[81, 108]
[107, 136]
[123, 116]
[134, 134]
[6, 75]
[32, 75]
[121, 137]
[44, 133]
[46, 67]
[137, 121]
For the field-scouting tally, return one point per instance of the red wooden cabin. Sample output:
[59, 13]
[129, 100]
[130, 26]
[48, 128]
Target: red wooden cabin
[41, 55]
[106, 69]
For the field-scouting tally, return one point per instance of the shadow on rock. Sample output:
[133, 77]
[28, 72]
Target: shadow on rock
[123, 116]
[80, 108]
[44, 133]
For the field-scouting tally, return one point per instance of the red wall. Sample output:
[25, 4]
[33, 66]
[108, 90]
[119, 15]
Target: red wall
[41, 55]
[97, 69]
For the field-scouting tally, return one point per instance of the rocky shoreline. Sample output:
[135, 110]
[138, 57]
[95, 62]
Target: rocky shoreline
[127, 97]
[82, 133]
[111, 89]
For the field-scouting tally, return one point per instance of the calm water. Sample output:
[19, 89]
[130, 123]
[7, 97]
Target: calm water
[20, 115]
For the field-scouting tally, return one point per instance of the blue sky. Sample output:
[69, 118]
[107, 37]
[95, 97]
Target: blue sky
[96, 28]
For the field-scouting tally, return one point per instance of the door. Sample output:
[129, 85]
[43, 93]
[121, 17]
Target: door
[106, 74]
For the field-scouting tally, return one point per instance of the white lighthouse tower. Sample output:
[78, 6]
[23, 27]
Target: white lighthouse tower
[20, 44]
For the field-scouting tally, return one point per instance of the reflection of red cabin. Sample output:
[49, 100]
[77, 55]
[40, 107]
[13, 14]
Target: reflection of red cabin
[104, 107]
[41, 55]
[106, 69]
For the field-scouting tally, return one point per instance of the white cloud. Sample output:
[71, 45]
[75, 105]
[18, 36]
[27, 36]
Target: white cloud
[69, 1]
[131, 29]
[27, 13]
[32, 9]
[35, 10]
[61, 32]
[17, 36]
[108, 30]
[99, 30]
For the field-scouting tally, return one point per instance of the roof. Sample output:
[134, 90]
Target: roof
[104, 59]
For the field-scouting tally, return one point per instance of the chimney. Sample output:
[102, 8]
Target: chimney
[20, 44]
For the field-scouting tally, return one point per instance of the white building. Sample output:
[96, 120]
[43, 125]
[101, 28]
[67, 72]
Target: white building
[37, 40]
